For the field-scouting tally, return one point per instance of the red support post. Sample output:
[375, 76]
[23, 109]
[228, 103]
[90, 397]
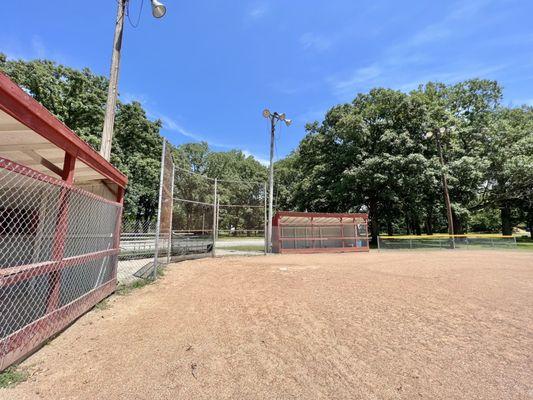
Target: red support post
[58, 250]
[118, 227]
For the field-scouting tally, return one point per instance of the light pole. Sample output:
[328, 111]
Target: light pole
[449, 214]
[274, 117]
[158, 11]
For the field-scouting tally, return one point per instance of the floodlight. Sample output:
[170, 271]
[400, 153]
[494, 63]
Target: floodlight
[288, 122]
[266, 113]
[158, 9]
[282, 116]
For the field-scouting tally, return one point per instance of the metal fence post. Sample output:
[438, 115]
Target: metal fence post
[266, 217]
[214, 219]
[379, 245]
[169, 247]
[159, 205]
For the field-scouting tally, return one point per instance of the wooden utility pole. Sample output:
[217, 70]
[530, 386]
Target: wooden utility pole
[445, 188]
[112, 91]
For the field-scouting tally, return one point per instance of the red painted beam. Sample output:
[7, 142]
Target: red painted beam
[10, 276]
[28, 111]
[319, 215]
[13, 166]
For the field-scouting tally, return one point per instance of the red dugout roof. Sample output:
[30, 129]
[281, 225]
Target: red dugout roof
[24, 123]
[295, 217]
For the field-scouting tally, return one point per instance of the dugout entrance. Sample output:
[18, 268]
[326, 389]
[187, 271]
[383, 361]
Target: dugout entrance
[302, 232]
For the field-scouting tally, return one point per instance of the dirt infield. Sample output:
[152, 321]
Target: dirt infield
[390, 325]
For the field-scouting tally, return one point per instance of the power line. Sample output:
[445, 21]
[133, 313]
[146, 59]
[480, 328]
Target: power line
[218, 180]
[138, 16]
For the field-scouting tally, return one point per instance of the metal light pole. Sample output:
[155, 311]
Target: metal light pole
[158, 11]
[445, 184]
[274, 117]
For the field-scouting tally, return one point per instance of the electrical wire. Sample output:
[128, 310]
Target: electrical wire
[138, 16]
[218, 180]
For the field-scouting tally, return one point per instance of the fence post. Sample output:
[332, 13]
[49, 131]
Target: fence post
[214, 219]
[60, 234]
[266, 218]
[218, 215]
[379, 245]
[169, 247]
[159, 204]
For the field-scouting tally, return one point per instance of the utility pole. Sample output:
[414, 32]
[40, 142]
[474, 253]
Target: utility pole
[109, 120]
[445, 187]
[274, 117]
[271, 184]
[158, 11]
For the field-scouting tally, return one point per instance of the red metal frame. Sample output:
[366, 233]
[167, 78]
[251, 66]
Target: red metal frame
[23, 341]
[24, 108]
[356, 219]
[21, 106]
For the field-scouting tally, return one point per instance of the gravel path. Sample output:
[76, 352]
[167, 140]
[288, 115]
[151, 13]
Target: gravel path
[394, 325]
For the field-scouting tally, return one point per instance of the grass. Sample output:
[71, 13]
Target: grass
[103, 305]
[249, 247]
[238, 238]
[12, 376]
[123, 290]
[524, 243]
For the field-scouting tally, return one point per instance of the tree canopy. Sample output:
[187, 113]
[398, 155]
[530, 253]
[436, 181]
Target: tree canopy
[373, 154]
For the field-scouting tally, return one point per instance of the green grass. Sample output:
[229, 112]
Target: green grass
[12, 376]
[103, 305]
[250, 247]
[123, 290]
[524, 244]
[238, 238]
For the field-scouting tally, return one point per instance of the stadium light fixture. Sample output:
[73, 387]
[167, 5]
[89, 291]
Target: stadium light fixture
[158, 9]
[274, 117]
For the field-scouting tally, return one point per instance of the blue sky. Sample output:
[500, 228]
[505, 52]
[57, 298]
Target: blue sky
[210, 67]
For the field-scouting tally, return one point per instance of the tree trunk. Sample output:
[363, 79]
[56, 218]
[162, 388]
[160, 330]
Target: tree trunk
[505, 213]
[458, 228]
[390, 231]
[429, 223]
[416, 225]
[407, 225]
[374, 220]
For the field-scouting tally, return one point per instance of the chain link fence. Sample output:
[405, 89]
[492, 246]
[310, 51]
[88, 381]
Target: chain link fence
[58, 253]
[439, 242]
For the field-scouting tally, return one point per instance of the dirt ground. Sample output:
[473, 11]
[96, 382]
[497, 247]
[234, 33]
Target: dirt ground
[389, 325]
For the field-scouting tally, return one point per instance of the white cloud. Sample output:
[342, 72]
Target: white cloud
[397, 63]
[457, 74]
[521, 102]
[314, 41]
[360, 76]
[263, 161]
[258, 11]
